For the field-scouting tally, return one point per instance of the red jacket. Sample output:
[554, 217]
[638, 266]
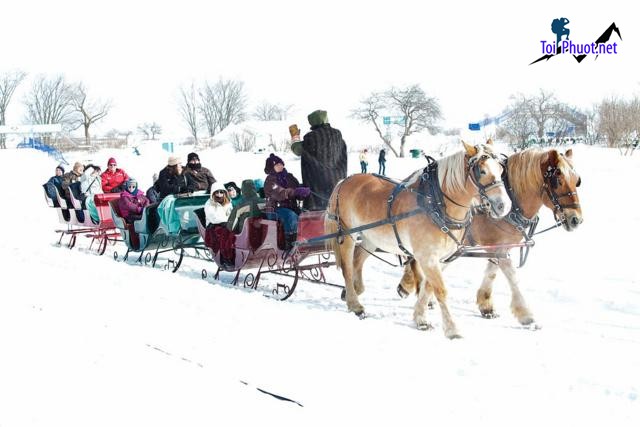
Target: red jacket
[111, 180]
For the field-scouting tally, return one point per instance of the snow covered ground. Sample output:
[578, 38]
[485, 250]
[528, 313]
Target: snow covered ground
[87, 341]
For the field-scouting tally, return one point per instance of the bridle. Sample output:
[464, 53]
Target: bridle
[551, 182]
[473, 166]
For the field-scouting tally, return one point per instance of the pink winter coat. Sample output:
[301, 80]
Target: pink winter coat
[130, 204]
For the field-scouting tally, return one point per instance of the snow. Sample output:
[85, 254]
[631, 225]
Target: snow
[86, 340]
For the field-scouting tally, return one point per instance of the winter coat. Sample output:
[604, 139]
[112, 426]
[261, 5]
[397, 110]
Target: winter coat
[381, 157]
[217, 213]
[248, 207]
[202, 178]
[131, 205]
[113, 180]
[90, 185]
[323, 163]
[68, 179]
[168, 183]
[279, 191]
[363, 158]
[54, 183]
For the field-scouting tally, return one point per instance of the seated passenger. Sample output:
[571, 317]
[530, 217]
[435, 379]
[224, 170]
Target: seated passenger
[114, 178]
[234, 192]
[202, 177]
[282, 190]
[71, 182]
[172, 180]
[55, 182]
[217, 237]
[90, 185]
[152, 193]
[248, 208]
[132, 201]
[218, 208]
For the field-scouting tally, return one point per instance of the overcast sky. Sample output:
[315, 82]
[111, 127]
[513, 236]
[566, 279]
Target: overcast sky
[323, 54]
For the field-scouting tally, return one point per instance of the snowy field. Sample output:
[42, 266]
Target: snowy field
[88, 341]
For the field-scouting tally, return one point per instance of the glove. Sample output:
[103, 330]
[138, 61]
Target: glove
[302, 192]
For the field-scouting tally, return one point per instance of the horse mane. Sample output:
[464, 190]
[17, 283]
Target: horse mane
[524, 170]
[452, 172]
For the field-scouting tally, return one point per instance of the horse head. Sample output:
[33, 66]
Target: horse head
[485, 172]
[560, 186]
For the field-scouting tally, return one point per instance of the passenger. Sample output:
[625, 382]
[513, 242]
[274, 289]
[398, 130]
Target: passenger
[201, 176]
[55, 183]
[132, 201]
[71, 182]
[234, 192]
[323, 159]
[90, 185]
[172, 180]
[248, 208]
[90, 181]
[114, 178]
[219, 207]
[218, 238]
[282, 190]
[152, 193]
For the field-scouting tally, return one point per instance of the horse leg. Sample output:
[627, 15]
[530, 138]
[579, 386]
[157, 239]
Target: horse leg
[347, 249]
[359, 257]
[419, 282]
[408, 282]
[433, 273]
[518, 305]
[483, 297]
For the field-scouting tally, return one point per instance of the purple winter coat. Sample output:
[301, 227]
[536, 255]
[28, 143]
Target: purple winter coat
[132, 205]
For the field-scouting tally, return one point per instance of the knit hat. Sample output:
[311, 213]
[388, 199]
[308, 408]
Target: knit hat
[249, 189]
[60, 167]
[192, 156]
[318, 117]
[129, 182]
[232, 184]
[173, 161]
[271, 162]
[111, 161]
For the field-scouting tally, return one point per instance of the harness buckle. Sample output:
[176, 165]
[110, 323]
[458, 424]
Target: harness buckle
[444, 229]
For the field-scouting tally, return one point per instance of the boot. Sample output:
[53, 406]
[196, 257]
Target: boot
[289, 239]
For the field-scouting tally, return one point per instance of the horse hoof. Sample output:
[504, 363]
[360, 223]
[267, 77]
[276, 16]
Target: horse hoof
[489, 314]
[343, 295]
[526, 321]
[424, 326]
[361, 314]
[402, 292]
[454, 336]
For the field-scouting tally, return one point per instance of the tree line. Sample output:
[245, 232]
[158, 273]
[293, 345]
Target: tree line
[395, 113]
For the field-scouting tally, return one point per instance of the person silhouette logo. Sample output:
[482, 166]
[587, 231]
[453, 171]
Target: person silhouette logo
[558, 28]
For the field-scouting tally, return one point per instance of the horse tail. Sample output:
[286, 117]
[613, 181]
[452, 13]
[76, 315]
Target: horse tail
[331, 225]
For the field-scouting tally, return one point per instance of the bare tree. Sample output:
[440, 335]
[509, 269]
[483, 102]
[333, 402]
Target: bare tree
[51, 101]
[411, 111]
[222, 104]
[243, 141]
[615, 121]
[518, 126]
[267, 111]
[90, 111]
[150, 130]
[8, 83]
[188, 107]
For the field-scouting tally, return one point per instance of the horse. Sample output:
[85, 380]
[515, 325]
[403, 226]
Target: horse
[409, 218]
[535, 178]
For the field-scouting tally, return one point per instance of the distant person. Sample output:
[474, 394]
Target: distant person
[363, 161]
[282, 189]
[113, 178]
[3, 144]
[382, 162]
[234, 192]
[55, 183]
[132, 201]
[201, 177]
[323, 158]
[172, 180]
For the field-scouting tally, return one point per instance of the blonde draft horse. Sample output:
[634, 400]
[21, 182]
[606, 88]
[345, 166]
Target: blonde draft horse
[537, 178]
[363, 199]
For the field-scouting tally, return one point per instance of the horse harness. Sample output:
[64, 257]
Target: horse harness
[430, 199]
